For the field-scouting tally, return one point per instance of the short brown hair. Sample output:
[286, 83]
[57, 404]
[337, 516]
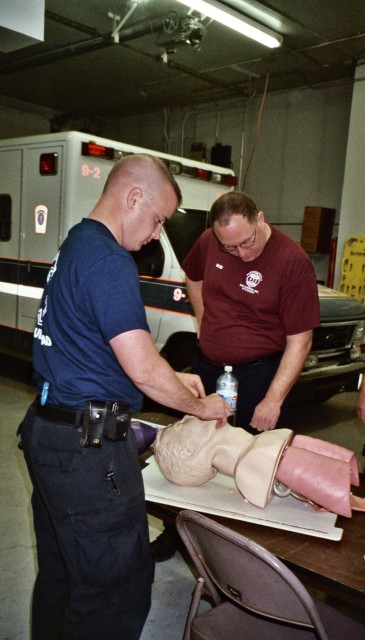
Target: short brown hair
[234, 203]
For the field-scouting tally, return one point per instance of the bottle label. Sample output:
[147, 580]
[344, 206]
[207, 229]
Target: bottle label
[230, 397]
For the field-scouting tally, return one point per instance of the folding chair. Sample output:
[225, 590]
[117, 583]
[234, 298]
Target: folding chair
[254, 595]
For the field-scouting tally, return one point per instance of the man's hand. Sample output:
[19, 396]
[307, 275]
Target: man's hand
[215, 408]
[266, 415]
[267, 412]
[193, 382]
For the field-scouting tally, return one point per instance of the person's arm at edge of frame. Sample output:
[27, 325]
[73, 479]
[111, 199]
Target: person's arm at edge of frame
[360, 405]
[195, 295]
[267, 412]
[152, 375]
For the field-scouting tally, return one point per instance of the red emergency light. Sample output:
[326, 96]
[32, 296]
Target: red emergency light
[97, 150]
[230, 180]
[203, 174]
[48, 164]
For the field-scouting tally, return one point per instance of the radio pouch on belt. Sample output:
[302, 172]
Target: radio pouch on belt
[110, 420]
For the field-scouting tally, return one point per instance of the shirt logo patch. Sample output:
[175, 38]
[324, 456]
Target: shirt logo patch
[218, 266]
[253, 279]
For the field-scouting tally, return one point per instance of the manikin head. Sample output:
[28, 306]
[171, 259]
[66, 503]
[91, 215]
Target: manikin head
[191, 451]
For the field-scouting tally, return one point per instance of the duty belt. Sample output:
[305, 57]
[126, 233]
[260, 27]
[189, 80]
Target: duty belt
[99, 419]
[64, 415]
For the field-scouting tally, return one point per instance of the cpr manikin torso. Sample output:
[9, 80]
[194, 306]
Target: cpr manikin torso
[190, 452]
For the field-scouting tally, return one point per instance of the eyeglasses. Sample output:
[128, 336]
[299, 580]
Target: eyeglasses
[246, 244]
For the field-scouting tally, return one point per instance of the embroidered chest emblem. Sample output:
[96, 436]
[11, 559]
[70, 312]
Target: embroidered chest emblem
[253, 279]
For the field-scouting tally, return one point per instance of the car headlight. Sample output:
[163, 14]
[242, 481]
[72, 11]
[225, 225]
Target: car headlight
[355, 352]
[359, 333]
[311, 361]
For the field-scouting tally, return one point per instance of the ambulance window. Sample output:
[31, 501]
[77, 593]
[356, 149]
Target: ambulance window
[184, 227]
[5, 217]
[150, 259]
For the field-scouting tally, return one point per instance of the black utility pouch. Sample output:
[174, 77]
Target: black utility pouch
[109, 420]
[118, 420]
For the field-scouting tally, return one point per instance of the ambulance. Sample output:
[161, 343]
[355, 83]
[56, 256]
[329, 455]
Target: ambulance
[50, 182]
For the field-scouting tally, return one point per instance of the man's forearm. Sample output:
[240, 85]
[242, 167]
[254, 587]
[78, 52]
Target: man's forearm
[195, 293]
[152, 375]
[164, 386]
[290, 367]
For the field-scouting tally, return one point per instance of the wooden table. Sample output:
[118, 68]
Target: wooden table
[337, 568]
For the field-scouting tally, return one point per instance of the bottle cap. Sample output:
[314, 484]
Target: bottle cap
[228, 368]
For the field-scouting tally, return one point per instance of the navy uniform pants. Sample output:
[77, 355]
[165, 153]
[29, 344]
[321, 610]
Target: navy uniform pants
[253, 378]
[94, 562]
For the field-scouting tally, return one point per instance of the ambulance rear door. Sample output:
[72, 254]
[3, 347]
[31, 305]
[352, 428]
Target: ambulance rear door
[40, 223]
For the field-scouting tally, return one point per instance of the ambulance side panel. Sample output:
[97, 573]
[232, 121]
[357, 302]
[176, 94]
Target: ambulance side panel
[10, 199]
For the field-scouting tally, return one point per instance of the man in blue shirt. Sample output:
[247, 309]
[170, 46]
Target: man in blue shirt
[94, 356]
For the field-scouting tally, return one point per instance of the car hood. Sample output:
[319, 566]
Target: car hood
[336, 306]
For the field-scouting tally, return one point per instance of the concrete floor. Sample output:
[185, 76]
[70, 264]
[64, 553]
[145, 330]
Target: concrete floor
[334, 420]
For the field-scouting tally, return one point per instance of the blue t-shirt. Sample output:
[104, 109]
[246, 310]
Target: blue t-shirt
[92, 294]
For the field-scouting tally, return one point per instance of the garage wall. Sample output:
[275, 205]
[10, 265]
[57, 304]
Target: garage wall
[352, 221]
[299, 156]
[298, 159]
[21, 121]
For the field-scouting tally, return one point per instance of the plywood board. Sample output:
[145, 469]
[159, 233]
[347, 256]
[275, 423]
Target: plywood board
[221, 497]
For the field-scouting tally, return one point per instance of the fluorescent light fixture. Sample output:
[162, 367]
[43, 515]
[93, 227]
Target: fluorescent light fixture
[237, 21]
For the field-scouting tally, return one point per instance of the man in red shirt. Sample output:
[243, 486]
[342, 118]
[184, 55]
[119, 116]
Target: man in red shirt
[254, 293]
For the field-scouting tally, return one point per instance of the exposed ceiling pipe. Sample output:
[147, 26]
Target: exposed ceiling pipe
[100, 41]
[137, 30]
[73, 49]
[197, 74]
[66, 22]
[330, 43]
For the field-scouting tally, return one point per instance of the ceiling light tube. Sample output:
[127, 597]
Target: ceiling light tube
[237, 21]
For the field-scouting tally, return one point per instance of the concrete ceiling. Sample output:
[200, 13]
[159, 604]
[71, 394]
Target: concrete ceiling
[81, 71]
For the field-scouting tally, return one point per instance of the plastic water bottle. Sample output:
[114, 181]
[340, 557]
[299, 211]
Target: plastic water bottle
[227, 387]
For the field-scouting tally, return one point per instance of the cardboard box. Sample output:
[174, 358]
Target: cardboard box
[323, 215]
[311, 245]
[317, 229]
[311, 229]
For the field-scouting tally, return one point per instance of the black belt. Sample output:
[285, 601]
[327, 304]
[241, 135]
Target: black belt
[56, 413]
[246, 363]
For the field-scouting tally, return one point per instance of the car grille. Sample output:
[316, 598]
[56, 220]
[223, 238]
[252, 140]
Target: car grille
[331, 337]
